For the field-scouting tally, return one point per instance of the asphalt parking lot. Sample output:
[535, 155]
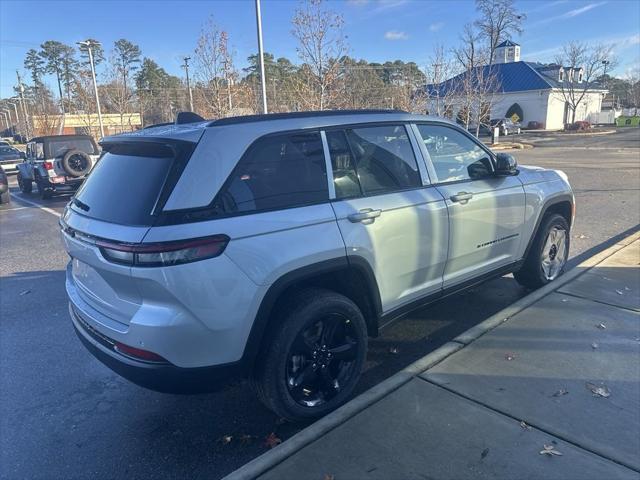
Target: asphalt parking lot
[64, 415]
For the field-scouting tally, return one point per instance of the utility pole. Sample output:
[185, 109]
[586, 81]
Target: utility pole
[27, 123]
[261, 57]
[186, 69]
[88, 44]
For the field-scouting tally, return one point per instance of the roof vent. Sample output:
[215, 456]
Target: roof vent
[188, 117]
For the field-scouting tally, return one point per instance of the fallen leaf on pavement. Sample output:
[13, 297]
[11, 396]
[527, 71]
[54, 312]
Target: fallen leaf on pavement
[594, 345]
[550, 450]
[25, 292]
[619, 292]
[524, 425]
[565, 299]
[394, 350]
[560, 393]
[328, 476]
[226, 439]
[484, 453]
[599, 390]
[271, 440]
[582, 236]
[509, 356]
[601, 326]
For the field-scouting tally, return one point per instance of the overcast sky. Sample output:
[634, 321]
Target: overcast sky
[377, 30]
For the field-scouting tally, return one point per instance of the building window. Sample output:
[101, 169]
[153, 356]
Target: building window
[561, 75]
[580, 77]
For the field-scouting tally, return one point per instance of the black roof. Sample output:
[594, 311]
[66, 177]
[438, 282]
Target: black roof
[47, 137]
[288, 115]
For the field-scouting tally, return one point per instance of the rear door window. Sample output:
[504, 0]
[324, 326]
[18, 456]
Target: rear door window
[125, 184]
[278, 171]
[379, 159]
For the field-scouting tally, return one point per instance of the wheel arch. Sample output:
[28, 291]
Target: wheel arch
[560, 204]
[351, 276]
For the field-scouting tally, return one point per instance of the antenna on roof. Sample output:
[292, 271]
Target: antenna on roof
[188, 117]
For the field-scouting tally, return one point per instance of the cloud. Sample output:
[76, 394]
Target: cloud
[384, 5]
[581, 10]
[396, 35]
[570, 14]
[434, 27]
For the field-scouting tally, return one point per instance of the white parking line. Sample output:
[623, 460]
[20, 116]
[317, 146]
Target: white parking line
[12, 209]
[41, 207]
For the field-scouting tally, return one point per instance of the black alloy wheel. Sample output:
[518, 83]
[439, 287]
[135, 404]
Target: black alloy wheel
[311, 360]
[321, 360]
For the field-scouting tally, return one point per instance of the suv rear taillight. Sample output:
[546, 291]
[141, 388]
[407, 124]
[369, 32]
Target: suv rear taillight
[163, 254]
[47, 165]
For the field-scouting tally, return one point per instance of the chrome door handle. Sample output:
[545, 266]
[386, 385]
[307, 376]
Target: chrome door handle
[462, 197]
[365, 214]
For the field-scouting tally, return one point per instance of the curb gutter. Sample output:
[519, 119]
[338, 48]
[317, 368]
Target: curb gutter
[268, 460]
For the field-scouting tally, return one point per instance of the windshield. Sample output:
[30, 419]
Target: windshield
[125, 184]
[8, 151]
[59, 147]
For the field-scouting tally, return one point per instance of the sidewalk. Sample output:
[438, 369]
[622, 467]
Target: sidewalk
[560, 367]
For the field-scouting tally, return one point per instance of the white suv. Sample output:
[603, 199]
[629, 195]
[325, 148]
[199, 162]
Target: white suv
[272, 246]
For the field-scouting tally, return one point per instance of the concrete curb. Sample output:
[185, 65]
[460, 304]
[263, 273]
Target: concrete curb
[268, 460]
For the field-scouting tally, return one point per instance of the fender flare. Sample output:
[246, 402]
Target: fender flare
[259, 329]
[562, 198]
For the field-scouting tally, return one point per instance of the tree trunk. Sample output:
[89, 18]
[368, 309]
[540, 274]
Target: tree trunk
[60, 91]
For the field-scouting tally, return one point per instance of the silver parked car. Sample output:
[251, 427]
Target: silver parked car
[273, 246]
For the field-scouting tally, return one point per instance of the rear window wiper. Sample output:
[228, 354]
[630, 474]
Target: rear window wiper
[81, 205]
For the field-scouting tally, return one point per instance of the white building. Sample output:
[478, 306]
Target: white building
[532, 91]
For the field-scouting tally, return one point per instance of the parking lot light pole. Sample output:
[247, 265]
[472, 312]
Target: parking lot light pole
[15, 109]
[6, 120]
[261, 57]
[88, 44]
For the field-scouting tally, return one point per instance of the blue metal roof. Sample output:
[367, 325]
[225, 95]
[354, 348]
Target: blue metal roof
[508, 43]
[511, 77]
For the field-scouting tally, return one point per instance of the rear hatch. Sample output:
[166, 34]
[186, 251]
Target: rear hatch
[117, 204]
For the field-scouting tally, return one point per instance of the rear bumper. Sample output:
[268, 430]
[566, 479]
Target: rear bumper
[68, 186]
[10, 167]
[161, 377]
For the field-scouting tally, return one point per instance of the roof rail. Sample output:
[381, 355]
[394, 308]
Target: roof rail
[287, 115]
[158, 125]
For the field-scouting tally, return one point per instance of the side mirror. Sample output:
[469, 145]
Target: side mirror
[506, 165]
[23, 155]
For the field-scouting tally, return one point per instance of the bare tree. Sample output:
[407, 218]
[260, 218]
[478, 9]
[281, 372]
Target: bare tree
[586, 63]
[321, 45]
[438, 71]
[214, 71]
[498, 21]
[470, 53]
[633, 88]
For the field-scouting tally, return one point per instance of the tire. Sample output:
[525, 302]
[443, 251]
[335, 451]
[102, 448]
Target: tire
[548, 256]
[76, 163]
[25, 185]
[5, 197]
[293, 354]
[44, 192]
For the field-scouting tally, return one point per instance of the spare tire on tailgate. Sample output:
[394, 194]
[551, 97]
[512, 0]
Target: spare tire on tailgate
[76, 163]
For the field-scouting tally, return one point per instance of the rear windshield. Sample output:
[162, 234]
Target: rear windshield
[59, 147]
[125, 184]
